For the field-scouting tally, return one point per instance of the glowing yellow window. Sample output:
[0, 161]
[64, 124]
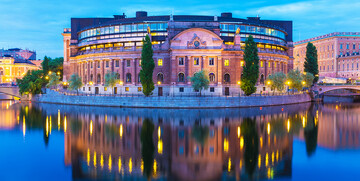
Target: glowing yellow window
[275, 65]
[269, 64]
[226, 62]
[242, 63]
[261, 63]
[160, 62]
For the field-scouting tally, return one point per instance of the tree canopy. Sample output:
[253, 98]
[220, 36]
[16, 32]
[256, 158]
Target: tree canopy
[147, 67]
[75, 82]
[294, 80]
[251, 67]
[31, 83]
[111, 80]
[277, 81]
[200, 81]
[308, 79]
[311, 61]
[54, 80]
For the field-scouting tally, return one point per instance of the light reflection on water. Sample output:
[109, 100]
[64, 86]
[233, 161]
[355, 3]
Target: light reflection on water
[205, 144]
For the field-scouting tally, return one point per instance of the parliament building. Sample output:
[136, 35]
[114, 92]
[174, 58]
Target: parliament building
[182, 44]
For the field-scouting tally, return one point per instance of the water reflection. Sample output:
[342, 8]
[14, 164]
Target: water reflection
[241, 144]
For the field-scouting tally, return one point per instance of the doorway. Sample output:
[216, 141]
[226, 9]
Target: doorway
[227, 91]
[96, 90]
[115, 90]
[160, 91]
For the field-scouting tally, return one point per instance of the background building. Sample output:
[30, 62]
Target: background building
[183, 45]
[18, 54]
[338, 54]
[11, 69]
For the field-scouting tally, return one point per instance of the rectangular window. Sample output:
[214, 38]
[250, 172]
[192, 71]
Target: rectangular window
[341, 46]
[83, 88]
[181, 60]
[139, 89]
[98, 64]
[160, 62]
[117, 63]
[211, 61]
[261, 64]
[126, 89]
[91, 64]
[181, 89]
[269, 65]
[128, 63]
[347, 46]
[242, 63]
[107, 63]
[354, 46]
[226, 62]
[196, 60]
[212, 89]
[89, 88]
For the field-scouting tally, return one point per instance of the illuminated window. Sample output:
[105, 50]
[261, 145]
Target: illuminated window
[261, 64]
[105, 88]
[139, 89]
[196, 60]
[126, 89]
[242, 63]
[160, 62]
[269, 64]
[226, 62]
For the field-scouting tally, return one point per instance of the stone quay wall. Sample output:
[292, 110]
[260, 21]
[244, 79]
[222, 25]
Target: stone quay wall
[171, 102]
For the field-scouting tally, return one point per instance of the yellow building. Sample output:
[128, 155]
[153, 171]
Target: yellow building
[10, 70]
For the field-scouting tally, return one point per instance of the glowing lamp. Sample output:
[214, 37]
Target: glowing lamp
[159, 83]
[238, 82]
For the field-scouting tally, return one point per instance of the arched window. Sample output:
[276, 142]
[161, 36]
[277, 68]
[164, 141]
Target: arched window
[128, 77]
[98, 80]
[117, 76]
[160, 77]
[262, 79]
[181, 77]
[227, 78]
[212, 77]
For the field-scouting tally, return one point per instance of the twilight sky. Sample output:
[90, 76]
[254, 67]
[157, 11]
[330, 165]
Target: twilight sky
[38, 24]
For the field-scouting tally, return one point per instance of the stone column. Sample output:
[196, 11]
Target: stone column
[173, 69]
[188, 68]
[203, 60]
[135, 80]
[102, 71]
[219, 70]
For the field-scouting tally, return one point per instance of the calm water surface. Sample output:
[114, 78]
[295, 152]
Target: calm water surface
[294, 142]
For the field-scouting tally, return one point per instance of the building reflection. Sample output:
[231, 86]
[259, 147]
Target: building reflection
[236, 144]
[207, 148]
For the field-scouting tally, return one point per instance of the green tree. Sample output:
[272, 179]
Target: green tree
[45, 64]
[147, 146]
[200, 81]
[251, 67]
[56, 65]
[54, 80]
[277, 81]
[294, 80]
[307, 79]
[111, 80]
[75, 82]
[311, 61]
[147, 67]
[31, 83]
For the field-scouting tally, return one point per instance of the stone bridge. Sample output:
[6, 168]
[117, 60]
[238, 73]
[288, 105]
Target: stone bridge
[12, 91]
[321, 89]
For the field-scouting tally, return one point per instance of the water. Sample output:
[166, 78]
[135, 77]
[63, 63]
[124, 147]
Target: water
[293, 142]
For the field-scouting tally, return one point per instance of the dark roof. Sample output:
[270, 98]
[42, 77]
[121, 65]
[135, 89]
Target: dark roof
[24, 61]
[79, 24]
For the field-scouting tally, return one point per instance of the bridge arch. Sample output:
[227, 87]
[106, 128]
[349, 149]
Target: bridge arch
[323, 89]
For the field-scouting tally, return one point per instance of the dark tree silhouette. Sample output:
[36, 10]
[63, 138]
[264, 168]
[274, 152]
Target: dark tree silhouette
[251, 143]
[147, 146]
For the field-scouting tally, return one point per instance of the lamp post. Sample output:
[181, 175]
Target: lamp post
[239, 83]
[121, 83]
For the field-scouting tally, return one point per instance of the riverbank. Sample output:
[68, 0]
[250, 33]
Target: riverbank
[171, 102]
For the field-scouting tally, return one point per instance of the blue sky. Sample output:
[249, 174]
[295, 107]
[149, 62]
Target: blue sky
[37, 24]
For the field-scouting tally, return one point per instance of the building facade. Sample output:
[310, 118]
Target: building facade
[338, 54]
[11, 69]
[182, 45]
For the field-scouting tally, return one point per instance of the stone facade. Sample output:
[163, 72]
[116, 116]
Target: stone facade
[171, 102]
[182, 46]
[338, 54]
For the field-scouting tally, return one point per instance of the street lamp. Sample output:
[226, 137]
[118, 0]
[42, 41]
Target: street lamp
[91, 83]
[239, 82]
[303, 82]
[58, 73]
[50, 72]
[47, 77]
[268, 82]
[159, 83]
